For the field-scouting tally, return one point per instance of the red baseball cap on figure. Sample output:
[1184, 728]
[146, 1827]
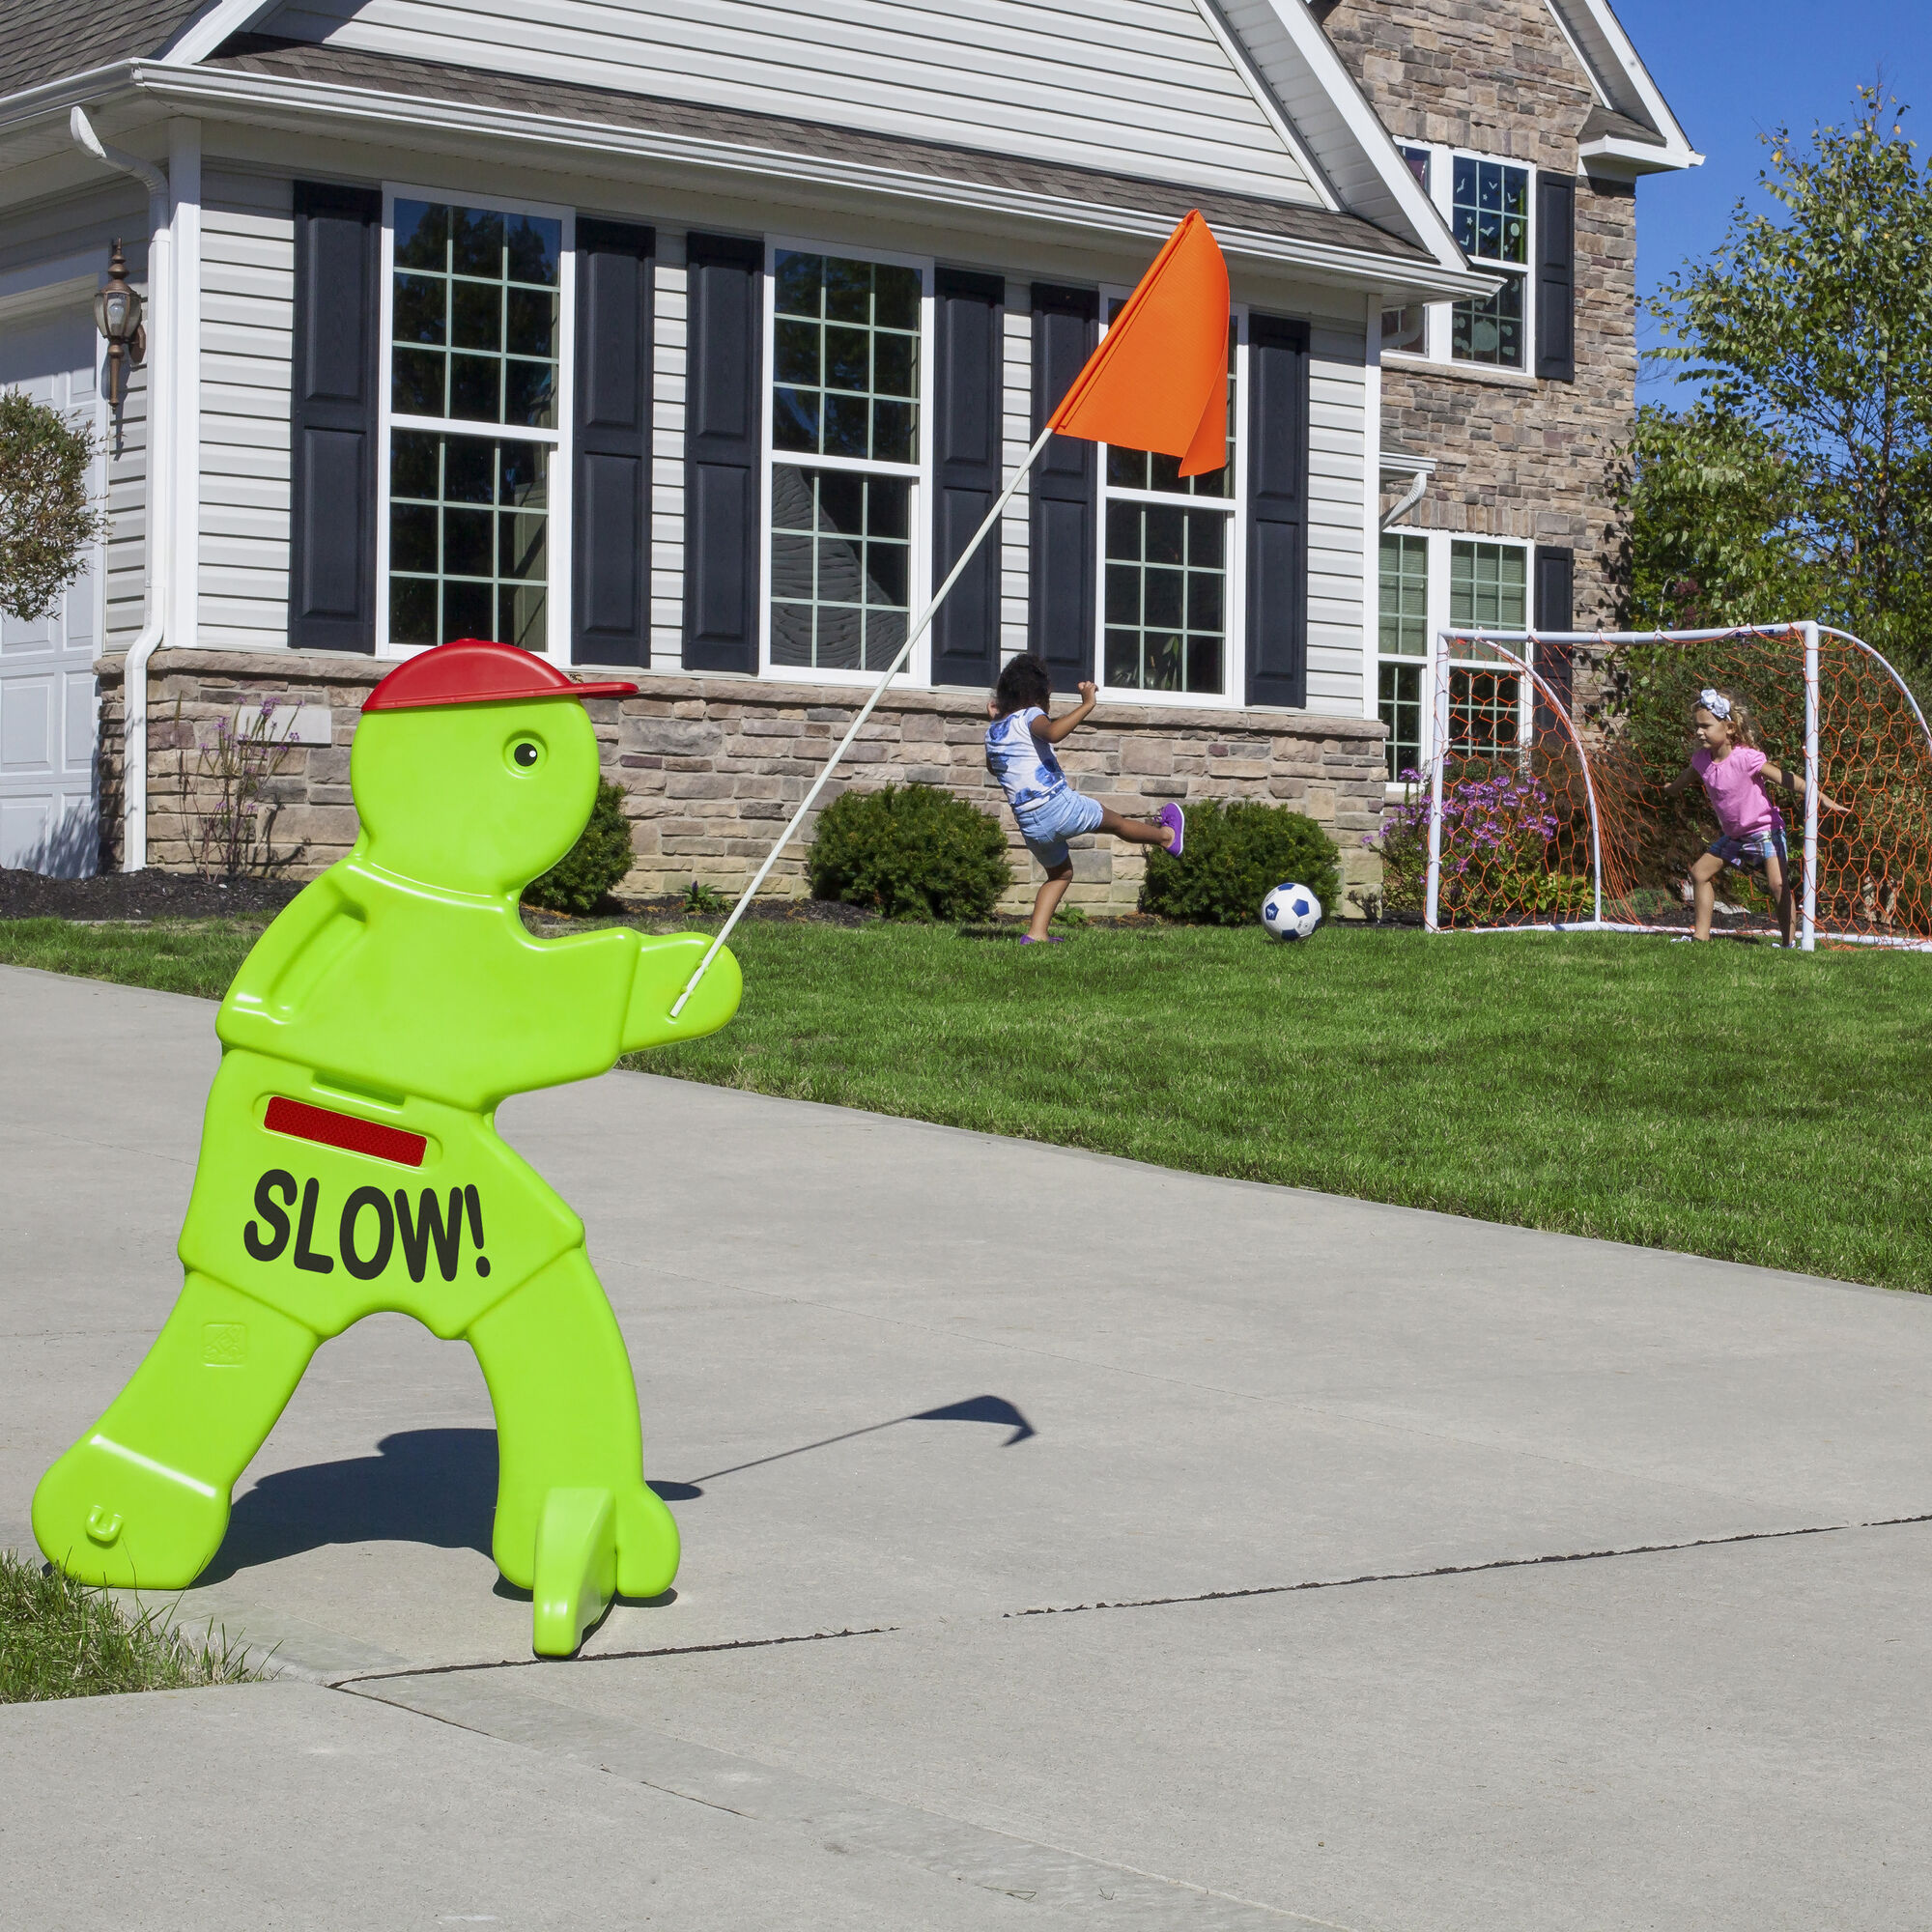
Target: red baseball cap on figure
[471, 671]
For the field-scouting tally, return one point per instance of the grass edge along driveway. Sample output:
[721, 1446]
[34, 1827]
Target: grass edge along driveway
[1728, 1101]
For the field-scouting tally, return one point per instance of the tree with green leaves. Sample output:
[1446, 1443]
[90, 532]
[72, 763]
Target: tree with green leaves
[47, 519]
[1800, 485]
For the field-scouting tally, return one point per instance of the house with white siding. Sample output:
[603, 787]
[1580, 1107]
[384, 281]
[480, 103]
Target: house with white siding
[693, 338]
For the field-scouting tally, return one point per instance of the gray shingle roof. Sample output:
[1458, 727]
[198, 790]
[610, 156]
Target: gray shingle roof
[1607, 121]
[434, 80]
[47, 39]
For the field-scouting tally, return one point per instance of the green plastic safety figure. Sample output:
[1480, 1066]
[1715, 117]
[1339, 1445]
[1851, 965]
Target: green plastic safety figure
[350, 1161]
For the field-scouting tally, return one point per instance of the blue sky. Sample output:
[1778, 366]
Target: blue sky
[1732, 69]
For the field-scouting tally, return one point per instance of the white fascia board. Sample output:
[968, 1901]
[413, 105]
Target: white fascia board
[485, 132]
[200, 35]
[1319, 96]
[1625, 85]
[1619, 160]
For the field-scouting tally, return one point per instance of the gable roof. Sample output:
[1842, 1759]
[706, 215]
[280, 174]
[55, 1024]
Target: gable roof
[1291, 126]
[733, 130]
[1636, 133]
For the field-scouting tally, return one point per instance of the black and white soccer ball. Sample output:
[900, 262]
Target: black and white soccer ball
[1291, 911]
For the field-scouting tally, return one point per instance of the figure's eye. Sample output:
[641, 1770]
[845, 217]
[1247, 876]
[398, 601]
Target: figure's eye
[524, 753]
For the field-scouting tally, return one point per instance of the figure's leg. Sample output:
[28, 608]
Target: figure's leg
[567, 1423]
[142, 1498]
[1704, 881]
[1052, 886]
[1777, 883]
[1138, 831]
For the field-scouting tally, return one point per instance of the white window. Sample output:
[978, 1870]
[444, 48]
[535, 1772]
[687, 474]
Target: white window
[1170, 563]
[1432, 580]
[1403, 647]
[846, 408]
[1406, 331]
[1488, 202]
[473, 458]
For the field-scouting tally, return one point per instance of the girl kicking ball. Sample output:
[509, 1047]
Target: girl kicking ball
[1019, 753]
[1734, 774]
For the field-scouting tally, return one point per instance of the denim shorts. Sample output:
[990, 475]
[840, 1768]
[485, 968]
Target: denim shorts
[1047, 826]
[1748, 853]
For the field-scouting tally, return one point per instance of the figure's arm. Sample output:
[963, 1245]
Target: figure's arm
[1053, 729]
[1682, 780]
[665, 966]
[1794, 782]
[312, 934]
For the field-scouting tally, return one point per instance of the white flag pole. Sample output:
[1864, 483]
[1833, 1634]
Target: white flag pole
[892, 669]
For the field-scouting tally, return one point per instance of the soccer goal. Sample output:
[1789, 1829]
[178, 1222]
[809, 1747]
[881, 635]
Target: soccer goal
[1540, 800]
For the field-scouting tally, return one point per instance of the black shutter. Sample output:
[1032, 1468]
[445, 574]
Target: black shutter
[611, 510]
[1277, 511]
[1557, 277]
[1555, 592]
[722, 417]
[967, 356]
[1064, 486]
[332, 400]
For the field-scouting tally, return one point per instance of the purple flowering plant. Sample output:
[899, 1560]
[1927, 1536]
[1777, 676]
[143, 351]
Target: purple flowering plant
[1495, 834]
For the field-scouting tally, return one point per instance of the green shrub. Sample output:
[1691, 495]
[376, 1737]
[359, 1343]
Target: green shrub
[600, 858]
[911, 852]
[1235, 855]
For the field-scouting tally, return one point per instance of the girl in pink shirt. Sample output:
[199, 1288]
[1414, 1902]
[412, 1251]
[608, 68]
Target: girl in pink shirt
[1734, 774]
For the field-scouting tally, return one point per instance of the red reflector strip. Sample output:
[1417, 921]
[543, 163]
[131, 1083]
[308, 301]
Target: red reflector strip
[345, 1131]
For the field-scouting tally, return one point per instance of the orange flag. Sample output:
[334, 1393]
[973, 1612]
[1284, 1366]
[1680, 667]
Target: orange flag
[1159, 379]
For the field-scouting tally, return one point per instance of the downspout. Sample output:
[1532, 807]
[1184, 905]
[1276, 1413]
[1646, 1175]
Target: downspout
[158, 547]
[1410, 498]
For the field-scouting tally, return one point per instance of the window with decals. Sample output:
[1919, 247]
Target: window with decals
[1406, 329]
[1489, 216]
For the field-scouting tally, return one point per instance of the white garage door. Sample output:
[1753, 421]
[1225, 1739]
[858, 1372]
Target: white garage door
[49, 821]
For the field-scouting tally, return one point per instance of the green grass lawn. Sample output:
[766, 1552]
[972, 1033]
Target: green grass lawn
[1730, 1100]
[58, 1638]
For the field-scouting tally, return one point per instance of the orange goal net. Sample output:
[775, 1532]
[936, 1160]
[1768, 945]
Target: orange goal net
[1542, 800]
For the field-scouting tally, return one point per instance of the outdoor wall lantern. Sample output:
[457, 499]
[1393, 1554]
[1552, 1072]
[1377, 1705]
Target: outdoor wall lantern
[117, 315]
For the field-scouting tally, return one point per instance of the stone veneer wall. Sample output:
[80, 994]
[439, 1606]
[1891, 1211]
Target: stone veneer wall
[713, 766]
[1517, 457]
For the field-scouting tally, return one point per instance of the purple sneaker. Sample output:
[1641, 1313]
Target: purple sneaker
[1176, 820]
[1051, 939]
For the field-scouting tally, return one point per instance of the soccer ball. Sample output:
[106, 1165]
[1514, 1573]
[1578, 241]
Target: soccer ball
[1291, 911]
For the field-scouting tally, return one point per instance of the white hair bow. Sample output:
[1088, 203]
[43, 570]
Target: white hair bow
[1714, 702]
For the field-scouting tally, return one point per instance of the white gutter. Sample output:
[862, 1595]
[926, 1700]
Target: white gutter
[159, 544]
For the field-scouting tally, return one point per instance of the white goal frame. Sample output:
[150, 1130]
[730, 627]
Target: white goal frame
[1514, 649]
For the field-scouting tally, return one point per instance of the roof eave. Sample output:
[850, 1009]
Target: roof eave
[223, 94]
[1616, 158]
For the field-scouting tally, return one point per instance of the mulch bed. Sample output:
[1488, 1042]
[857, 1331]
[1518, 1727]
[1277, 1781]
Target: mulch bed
[141, 895]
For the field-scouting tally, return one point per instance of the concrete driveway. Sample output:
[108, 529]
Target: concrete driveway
[1067, 1543]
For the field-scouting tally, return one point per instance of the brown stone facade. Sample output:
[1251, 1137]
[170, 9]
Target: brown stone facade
[1517, 457]
[713, 767]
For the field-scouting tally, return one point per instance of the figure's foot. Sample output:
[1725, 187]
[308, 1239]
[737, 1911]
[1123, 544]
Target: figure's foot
[647, 1543]
[1176, 820]
[105, 1514]
[576, 1567]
